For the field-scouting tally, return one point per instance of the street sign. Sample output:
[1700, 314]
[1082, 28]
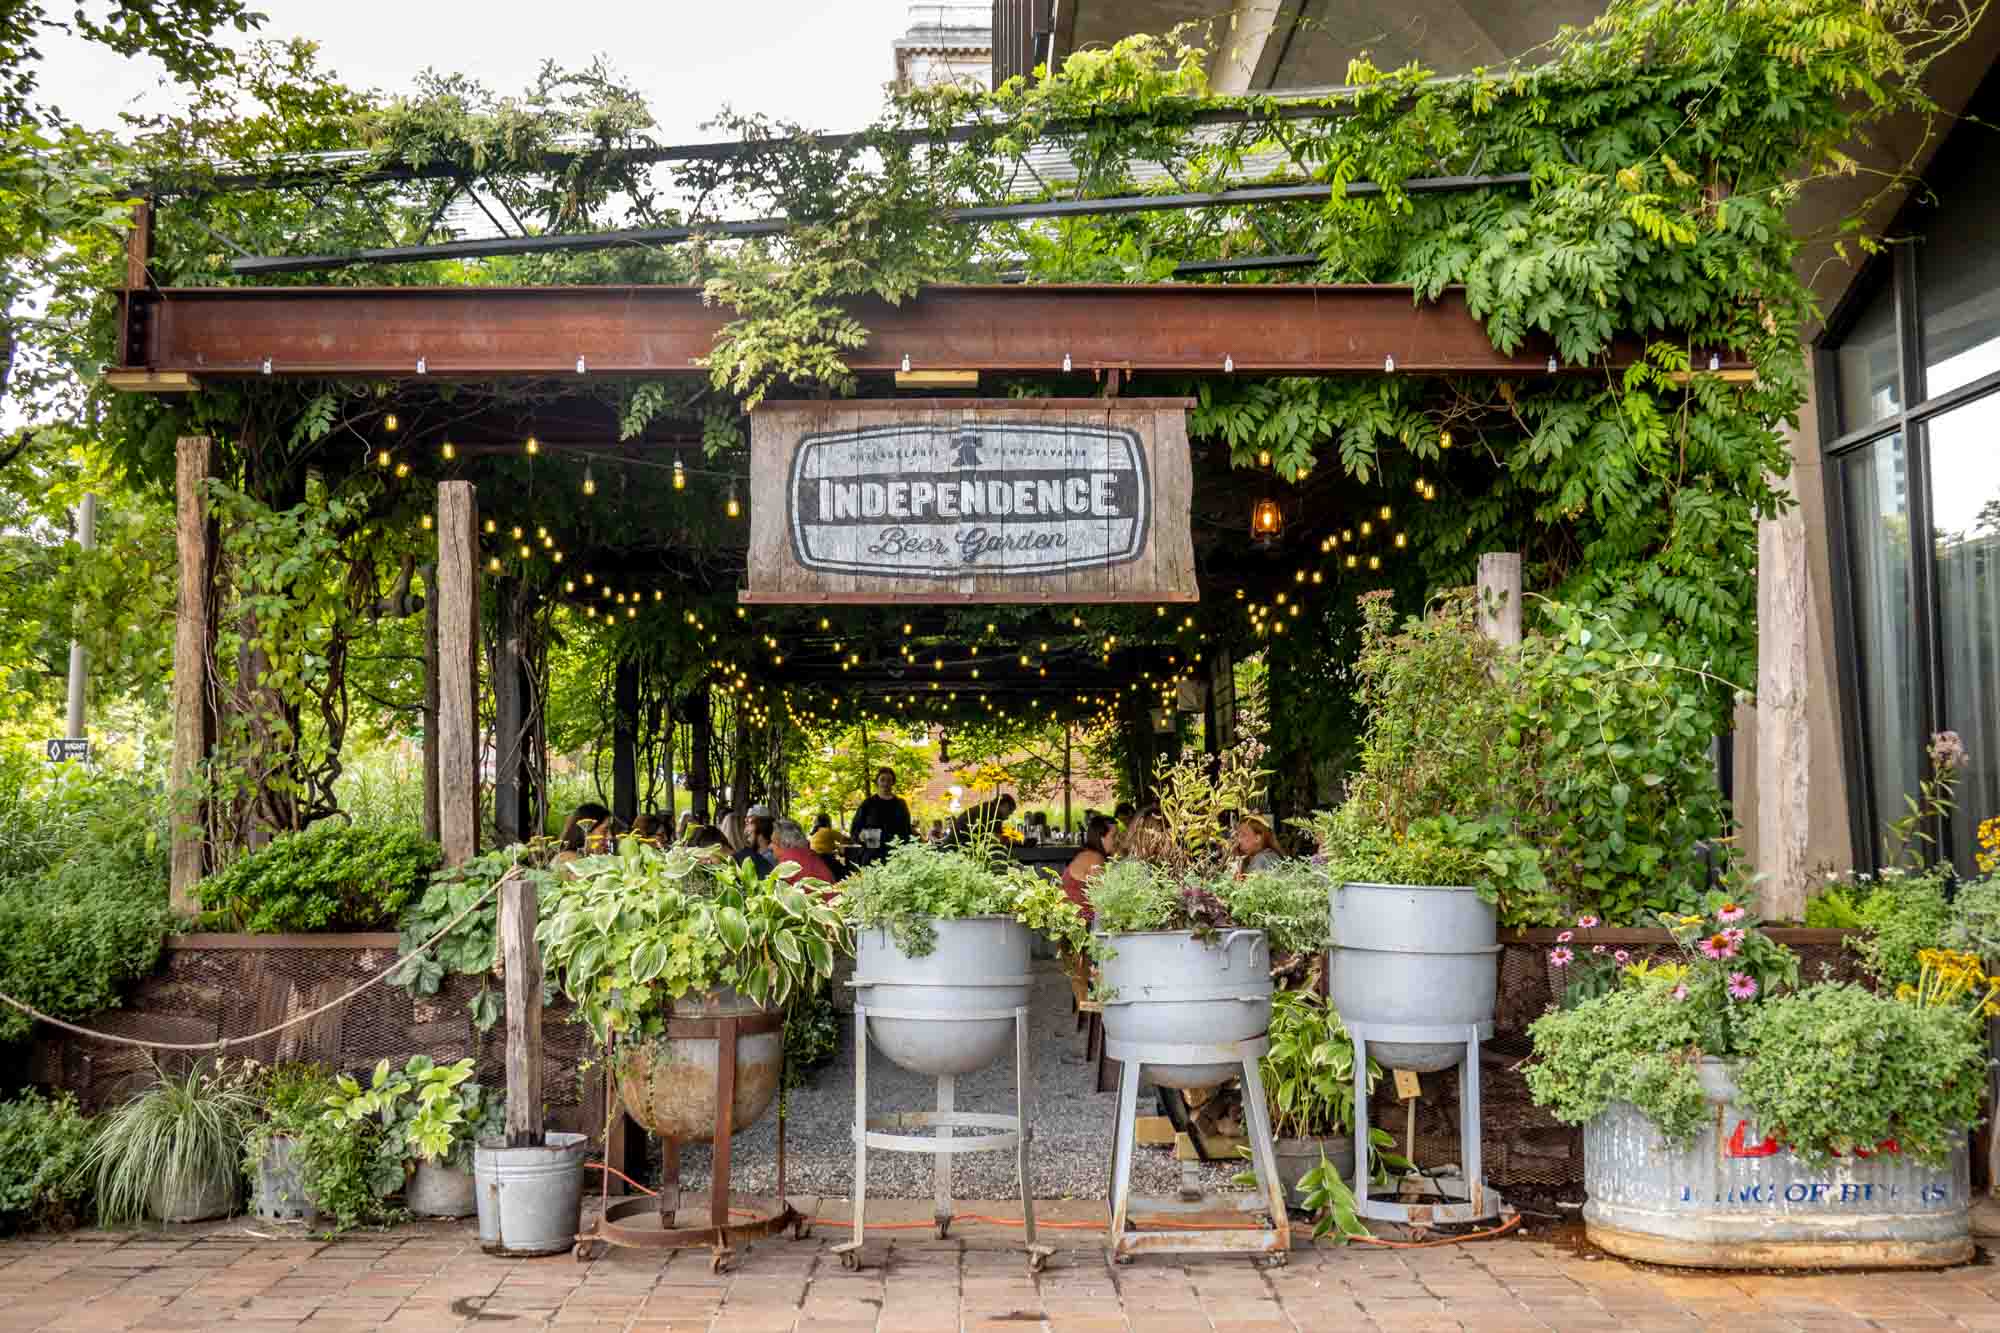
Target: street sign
[61, 749]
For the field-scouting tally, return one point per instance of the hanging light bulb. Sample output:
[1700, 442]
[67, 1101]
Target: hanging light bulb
[533, 446]
[556, 556]
[402, 469]
[494, 564]
[1444, 439]
[1402, 540]
[382, 458]
[589, 482]
[450, 451]
[526, 552]
[389, 422]
[735, 507]
[491, 526]
[1366, 527]
[1385, 513]
[680, 474]
[1263, 458]
[517, 533]
[1374, 562]
[427, 522]
[1266, 520]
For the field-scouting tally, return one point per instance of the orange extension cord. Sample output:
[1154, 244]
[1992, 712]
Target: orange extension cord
[1501, 1230]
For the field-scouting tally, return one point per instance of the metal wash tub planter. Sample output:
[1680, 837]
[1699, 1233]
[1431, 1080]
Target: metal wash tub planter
[1171, 986]
[953, 1011]
[1408, 955]
[530, 1200]
[1735, 1198]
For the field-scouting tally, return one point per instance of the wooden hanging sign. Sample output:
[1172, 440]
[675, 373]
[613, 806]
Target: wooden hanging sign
[971, 500]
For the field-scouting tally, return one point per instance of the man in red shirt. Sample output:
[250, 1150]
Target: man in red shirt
[789, 843]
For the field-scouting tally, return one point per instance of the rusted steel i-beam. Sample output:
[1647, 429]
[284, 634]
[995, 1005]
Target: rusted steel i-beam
[485, 332]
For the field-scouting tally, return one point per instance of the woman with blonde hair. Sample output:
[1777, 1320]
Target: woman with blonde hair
[1256, 845]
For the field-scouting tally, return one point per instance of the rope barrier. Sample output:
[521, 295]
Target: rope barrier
[224, 1043]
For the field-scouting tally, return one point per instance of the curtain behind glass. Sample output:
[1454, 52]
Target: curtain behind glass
[1965, 534]
[1875, 482]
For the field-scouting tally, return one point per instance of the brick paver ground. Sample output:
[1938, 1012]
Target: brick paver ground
[242, 1276]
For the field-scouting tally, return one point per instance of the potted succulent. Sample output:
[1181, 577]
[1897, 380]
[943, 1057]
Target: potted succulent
[639, 936]
[173, 1152]
[1732, 1119]
[431, 1115]
[949, 929]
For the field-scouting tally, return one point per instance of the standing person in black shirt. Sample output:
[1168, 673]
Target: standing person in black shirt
[886, 814]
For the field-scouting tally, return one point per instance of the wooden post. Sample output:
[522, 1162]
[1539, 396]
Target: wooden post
[625, 740]
[1500, 597]
[458, 670]
[1784, 808]
[523, 958]
[701, 728]
[194, 726]
[431, 828]
[511, 727]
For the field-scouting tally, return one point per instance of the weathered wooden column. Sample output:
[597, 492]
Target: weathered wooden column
[513, 731]
[431, 827]
[194, 619]
[458, 670]
[625, 740]
[523, 957]
[1500, 597]
[701, 731]
[1784, 808]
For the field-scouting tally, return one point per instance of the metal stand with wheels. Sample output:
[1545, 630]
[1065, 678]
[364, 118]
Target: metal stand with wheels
[1012, 1131]
[1270, 1243]
[621, 1223]
[1467, 1198]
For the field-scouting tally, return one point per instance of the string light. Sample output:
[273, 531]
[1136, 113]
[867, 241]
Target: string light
[533, 446]
[1444, 439]
[735, 506]
[589, 482]
[1385, 513]
[427, 522]
[494, 564]
[680, 474]
[402, 470]
[389, 423]
[449, 451]
[491, 526]
[382, 458]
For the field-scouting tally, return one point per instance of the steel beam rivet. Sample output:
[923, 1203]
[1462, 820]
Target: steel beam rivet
[423, 367]
[580, 367]
[1388, 365]
[267, 365]
[1065, 363]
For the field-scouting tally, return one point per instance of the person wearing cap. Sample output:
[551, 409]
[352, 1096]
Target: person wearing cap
[826, 844]
[755, 848]
[886, 813]
[1256, 846]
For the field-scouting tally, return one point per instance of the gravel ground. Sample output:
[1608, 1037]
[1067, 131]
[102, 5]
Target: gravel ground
[1070, 1156]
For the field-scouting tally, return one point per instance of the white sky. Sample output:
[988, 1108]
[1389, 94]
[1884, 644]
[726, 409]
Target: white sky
[820, 62]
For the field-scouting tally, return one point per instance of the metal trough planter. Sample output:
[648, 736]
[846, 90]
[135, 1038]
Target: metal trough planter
[980, 964]
[1736, 1198]
[1171, 987]
[1409, 955]
[668, 1085]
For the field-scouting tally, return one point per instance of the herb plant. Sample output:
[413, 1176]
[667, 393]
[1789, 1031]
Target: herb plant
[327, 878]
[917, 884]
[43, 1143]
[630, 933]
[1288, 903]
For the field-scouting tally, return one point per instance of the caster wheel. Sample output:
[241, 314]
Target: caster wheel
[944, 1229]
[1037, 1262]
[723, 1262]
[1122, 1260]
[850, 1260]
[588, 1251]
[1273, 1261]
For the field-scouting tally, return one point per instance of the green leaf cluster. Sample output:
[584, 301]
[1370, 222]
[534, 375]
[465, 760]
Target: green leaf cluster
[428, 1112]
[1637, 1044]
[473, 946]
[1898, 912]
[917, 884]
[171, 1142]
[327, 878]
[1309, 1070]
[43, 1141]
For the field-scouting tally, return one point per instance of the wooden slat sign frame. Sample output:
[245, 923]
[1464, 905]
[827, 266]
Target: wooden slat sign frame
[961, 500]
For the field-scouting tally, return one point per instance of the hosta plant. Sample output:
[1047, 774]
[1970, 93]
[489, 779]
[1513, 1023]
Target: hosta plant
[628, 934]
[428, 1112]
[917, 884]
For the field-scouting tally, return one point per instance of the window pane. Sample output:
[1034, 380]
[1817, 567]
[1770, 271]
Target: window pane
[1958, 266]
[1875, 480]
[1869, 385]
[1965, 504]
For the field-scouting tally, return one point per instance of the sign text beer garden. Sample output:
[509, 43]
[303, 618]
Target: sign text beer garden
[958, 500]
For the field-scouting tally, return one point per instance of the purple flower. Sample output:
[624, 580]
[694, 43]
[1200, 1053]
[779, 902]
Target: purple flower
[1586, 923]
[1597, 948]
[1719, 946]
[1735, 936]
[1947, 752]
[1742, 986]
[1622, 956]
[1679, 992]
[1729, 912]
[1560, 957]
[1566, 937]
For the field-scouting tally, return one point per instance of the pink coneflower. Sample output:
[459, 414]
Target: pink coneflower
[1623, 955]
[1742, 986]
[1560, 957]
[1735, 936]
[1729, 912]
[1597, 948]
[1719, 946]
[1586, 923]
[1565, 937]
[1679, 992]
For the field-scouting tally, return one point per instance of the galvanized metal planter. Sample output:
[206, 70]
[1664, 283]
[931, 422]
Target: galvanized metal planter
[979, 964]
[1298, 1156]
[1407, 955]
[1736, 1198]
[668, 1085]
[437, 1190]
[530, 1200]
[1169, 987]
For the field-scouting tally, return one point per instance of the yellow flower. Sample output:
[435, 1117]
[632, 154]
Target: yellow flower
[1906, 991]
[1691, 920]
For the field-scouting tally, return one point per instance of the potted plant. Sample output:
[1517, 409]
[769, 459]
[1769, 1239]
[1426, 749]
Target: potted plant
[1309, 1087]
[431, 1115]
[172, 1153]
[1733, 1120]
[643, 935]
[289, 1098]
[946, 929]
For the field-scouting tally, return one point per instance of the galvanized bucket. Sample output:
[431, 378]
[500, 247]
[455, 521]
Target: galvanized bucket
[981, 963]
[668, 1084]
[1736, 1198]
[1413, 956]
[530, 1199]
[1169, 987]
[281, 1190]
[437, 1190]
[1298, 1156]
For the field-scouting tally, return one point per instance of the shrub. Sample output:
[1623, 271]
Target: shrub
[327, 878]
[43, 1141]
[1901, 913]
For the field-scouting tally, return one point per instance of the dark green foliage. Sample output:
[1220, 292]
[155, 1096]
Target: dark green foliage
[472, 945]
[326, 878]
[42, 1144]
[812, 1034]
